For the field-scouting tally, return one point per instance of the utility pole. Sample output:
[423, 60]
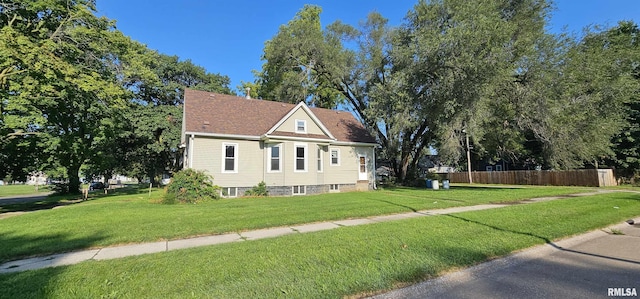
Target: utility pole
[466, 135]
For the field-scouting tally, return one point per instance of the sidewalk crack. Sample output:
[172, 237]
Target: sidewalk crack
[96, 254]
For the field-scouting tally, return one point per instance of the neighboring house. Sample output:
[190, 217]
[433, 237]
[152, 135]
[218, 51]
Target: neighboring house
[294, 149]
[432, 164]
[36, 178]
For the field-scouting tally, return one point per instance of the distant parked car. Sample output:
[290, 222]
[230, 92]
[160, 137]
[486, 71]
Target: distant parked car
[97, 186]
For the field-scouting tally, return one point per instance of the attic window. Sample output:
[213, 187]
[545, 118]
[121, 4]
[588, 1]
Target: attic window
[301, 126]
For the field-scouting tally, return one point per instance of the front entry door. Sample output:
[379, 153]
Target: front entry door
[362, 171]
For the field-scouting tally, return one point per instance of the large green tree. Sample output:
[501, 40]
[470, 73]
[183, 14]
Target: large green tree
[59, 79]
[616, 50]
[77, 94]
[566, 102]
[147, 142]
[419, 85]
[293, 58]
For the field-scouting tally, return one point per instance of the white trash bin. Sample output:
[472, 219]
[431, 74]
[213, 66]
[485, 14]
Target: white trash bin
[435, 185]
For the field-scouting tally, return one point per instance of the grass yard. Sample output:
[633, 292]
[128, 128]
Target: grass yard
[11, 190]
[329, 264]
[135, 218]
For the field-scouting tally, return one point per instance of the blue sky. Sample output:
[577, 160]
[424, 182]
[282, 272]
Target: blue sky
[227, 37]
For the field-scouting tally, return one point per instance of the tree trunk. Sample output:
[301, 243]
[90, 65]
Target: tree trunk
[74, 179]
[152, 177]
[403, 167]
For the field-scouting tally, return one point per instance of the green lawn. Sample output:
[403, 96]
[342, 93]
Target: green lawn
[134, 218]
[11, 190]
[329, 264]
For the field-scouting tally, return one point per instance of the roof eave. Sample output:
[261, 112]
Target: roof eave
[225, 136]
[268, 138]
[352, 143]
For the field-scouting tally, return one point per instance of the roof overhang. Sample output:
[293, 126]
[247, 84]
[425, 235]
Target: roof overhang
[272, 138]
[354, 143]
[224, 136]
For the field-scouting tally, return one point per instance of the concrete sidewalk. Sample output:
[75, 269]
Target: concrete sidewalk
[155, 247]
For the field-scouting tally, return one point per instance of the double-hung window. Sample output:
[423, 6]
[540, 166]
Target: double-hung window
[230, 157]
[274, 158]
[335, 157]
[300, 157]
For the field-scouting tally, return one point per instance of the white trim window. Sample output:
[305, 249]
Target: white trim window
[335, 157]
[300, 157]
[229, 191]
[301, 126]
[299, 190]
[229, 157]
[319, 158]
[275, 158]
[334, 188]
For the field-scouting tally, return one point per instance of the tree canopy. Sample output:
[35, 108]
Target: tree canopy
[486, 69]
[74, 91]
[79, 97]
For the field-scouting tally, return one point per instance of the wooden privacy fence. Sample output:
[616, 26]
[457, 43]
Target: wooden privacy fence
[584, 177]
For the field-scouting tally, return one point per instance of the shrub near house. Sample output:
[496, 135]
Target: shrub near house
[190, 186]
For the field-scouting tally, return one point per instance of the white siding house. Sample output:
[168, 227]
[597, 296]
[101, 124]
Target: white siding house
[294, 149]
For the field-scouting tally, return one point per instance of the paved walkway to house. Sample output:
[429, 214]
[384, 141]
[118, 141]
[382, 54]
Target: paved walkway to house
[161, 246]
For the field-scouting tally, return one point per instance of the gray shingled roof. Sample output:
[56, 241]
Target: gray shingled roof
[207, 112]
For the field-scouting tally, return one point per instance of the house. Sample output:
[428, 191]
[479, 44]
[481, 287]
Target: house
[294, 149]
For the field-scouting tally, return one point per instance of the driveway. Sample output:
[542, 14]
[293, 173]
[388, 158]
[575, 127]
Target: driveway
[595, 265]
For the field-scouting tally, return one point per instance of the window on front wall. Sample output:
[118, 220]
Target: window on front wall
[301, 126]
[301, 158]
[335, 156]
[274, 158]
[230, 157]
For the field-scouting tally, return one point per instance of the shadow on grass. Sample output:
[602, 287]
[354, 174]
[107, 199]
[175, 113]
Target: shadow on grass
[546, 240]
[35, 203]
[35, 284]
[396, 204]
[29, 284]
[467, 188]
[15, 245]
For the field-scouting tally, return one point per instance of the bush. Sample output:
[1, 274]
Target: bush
[60, 188]
[190, 186]
[259, 190]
